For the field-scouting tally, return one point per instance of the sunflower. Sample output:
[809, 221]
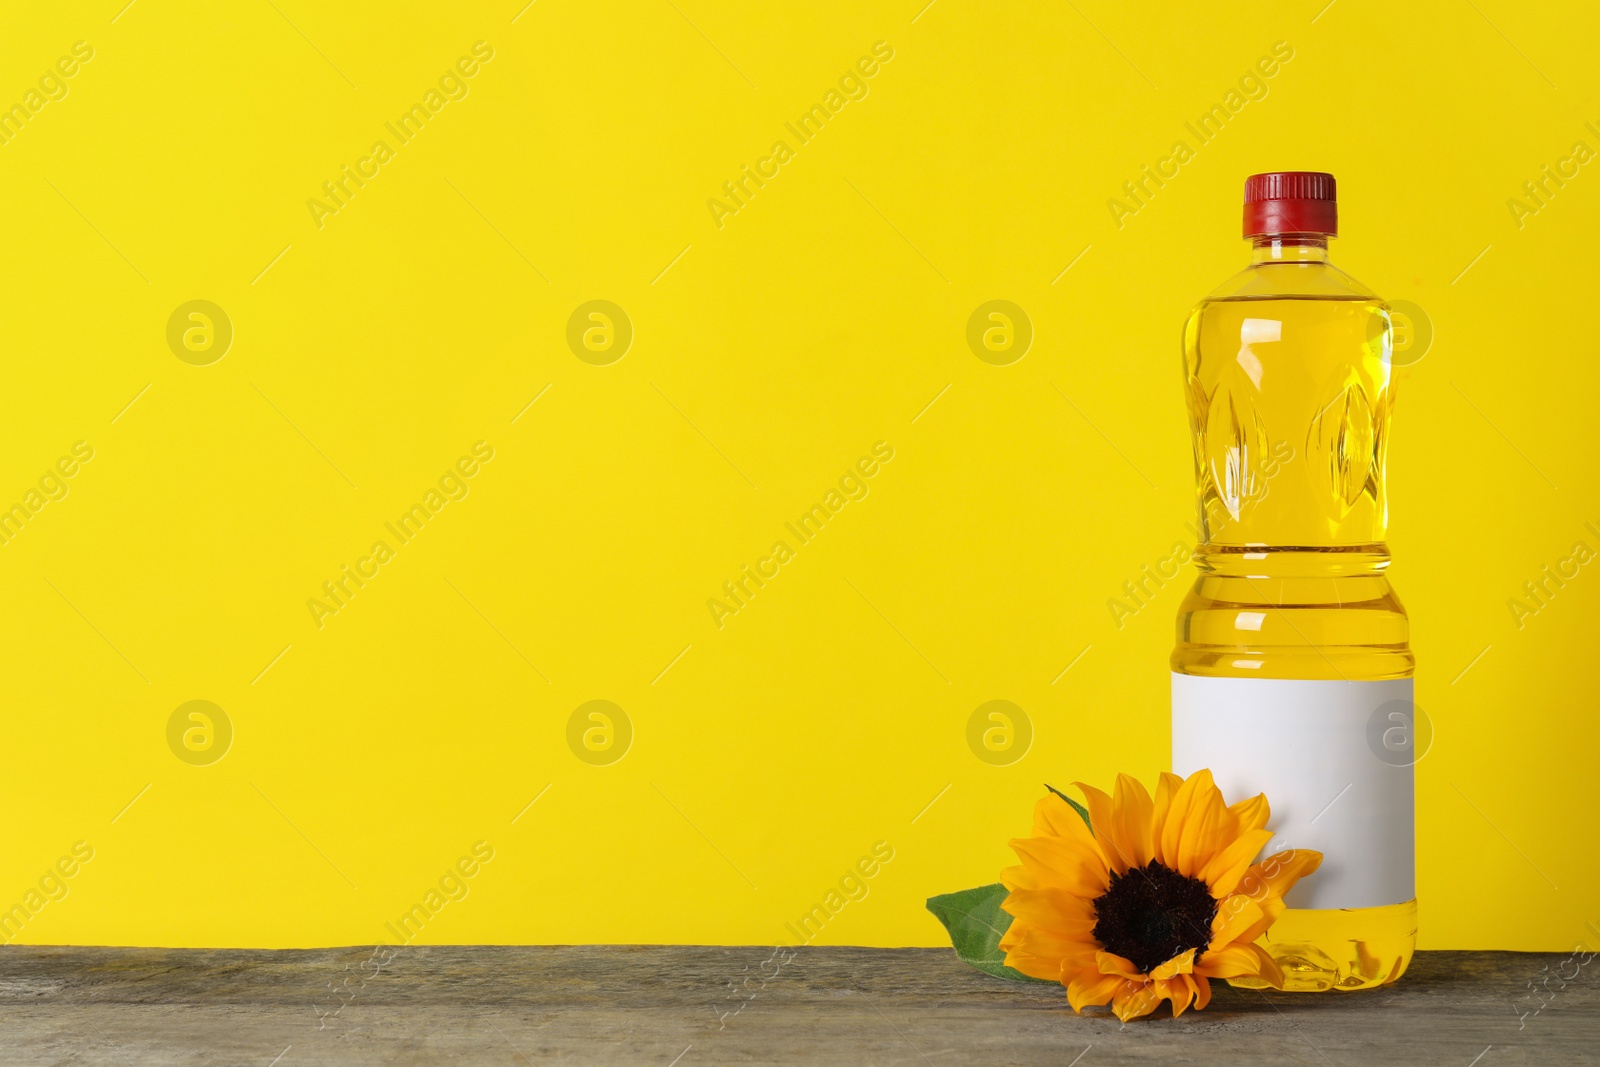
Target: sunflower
[1158, 898]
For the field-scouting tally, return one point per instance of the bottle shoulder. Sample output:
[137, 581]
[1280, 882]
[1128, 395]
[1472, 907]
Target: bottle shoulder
[1274, 281]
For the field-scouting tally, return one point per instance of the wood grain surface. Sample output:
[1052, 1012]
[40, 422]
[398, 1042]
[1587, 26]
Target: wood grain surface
[678, 1005]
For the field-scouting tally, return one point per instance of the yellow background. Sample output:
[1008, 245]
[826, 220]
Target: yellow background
[769, 354]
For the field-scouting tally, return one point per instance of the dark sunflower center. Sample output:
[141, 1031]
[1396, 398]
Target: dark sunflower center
[1151, 914]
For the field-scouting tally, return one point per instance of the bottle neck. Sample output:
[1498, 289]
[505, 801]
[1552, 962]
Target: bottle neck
[1289, 248]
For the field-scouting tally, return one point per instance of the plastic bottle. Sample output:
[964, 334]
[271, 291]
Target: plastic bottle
[1292, 673]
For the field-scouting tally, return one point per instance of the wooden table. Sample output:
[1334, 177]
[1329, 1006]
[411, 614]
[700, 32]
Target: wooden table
[675, 1005]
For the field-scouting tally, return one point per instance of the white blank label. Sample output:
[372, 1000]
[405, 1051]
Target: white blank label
[1329, 771]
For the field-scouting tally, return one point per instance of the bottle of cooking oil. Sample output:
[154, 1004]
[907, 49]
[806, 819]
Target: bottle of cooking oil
[1292, 673]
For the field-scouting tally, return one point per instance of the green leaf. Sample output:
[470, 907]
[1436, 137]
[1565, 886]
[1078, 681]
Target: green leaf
[976, 924]
[1079, 808]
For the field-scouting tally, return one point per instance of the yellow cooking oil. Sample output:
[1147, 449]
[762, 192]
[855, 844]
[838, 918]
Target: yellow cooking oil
[1289, 392]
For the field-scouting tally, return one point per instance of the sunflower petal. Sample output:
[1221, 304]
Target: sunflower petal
[1202, 990]
[1187, 800]
[1042, 954]
[1015, 878]
[1269, 969]
[1182, 963]
[1100, 814]
[1277, 874]
[1230, 961]
[1251, 814]
[1054, 817]
[1271, 908]
[1135, 999]
[1203, 833]
[1182, 991]
[1051, 943]
[1166, 788]
[1234, 917]
[1111, 963]
[1091, 989]
[1057, 910]
[1222, 874]
[1059, 862]
[1044, 968]
[1131, 811]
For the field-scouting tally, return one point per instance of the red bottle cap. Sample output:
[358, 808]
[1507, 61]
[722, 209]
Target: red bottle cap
[1290, 201]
